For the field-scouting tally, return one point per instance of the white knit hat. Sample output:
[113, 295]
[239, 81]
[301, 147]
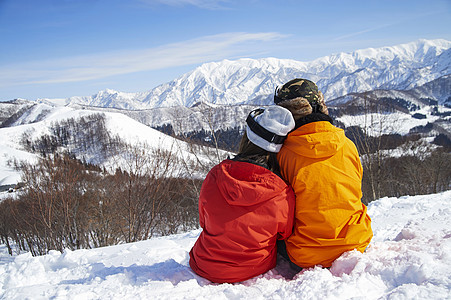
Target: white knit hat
[268, 127]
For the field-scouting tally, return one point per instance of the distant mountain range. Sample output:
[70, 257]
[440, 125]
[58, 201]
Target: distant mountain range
[409, 78]
[435, 92]
[252, 81]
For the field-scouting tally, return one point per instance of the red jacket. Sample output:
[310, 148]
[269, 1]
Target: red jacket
[243, 209]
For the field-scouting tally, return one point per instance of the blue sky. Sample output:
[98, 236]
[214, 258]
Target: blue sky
[63, 48]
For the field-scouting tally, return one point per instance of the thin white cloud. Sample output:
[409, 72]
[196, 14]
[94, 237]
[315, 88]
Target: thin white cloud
[204, 4]
[396, 23]
[102, 65]
[350, 35]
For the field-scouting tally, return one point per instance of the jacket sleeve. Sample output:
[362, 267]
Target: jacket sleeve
[202, 199]
[204, 195]
[286, 219]
[354, 156]
[201, 214]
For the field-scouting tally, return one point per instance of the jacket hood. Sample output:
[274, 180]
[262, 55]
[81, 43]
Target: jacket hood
[316, 140]
[246, 184]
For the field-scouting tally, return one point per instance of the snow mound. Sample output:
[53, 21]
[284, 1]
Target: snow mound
[409, 258]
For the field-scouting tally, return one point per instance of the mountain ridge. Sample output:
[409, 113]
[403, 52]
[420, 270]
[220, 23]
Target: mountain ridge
[252, 81]
[432, 99]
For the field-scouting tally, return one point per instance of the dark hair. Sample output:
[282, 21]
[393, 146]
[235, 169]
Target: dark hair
[313, 117]
[251, 153]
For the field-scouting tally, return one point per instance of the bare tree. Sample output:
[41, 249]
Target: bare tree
[368, 136]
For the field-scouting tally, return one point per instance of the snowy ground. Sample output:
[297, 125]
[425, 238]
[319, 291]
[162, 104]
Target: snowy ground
[409, 258]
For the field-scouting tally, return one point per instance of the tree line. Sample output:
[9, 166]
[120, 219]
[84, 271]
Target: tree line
[87, 135]
[395, 165]
[69, 203]
[413, 167]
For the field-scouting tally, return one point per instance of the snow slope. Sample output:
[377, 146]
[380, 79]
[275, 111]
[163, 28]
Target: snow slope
[408, 258]
[39, 119]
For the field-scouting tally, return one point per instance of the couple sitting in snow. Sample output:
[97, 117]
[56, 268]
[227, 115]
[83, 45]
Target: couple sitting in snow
[247, 207]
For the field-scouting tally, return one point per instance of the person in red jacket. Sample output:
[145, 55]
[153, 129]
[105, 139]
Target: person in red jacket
[244, 205]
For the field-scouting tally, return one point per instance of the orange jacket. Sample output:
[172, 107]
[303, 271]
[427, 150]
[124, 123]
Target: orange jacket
[324, 169]
[243, 209]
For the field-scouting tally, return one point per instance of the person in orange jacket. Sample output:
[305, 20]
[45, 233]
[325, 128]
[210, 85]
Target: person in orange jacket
[244, 205]
[324, 169]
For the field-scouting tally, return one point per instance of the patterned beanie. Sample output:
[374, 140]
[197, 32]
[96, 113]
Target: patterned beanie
[301, 97]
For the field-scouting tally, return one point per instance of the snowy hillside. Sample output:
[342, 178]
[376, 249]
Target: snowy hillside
[38, 120]
[435, 92]
[408, 258]
[252, 81]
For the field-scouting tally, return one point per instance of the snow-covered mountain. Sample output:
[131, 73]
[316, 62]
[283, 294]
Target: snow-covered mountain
[35, 120]
[403, 105]
[252, 81]
[429, 103]
[434, 92]
[110, 98]
[408, 258]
